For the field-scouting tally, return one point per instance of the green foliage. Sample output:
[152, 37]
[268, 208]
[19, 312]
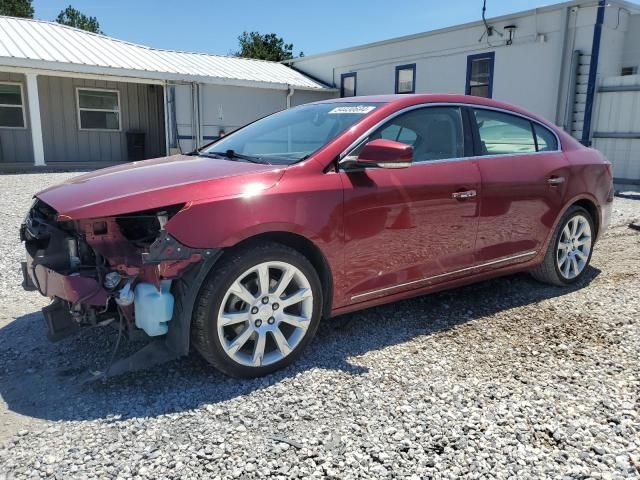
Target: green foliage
[264, 47]
[16, 8]
[73, 18]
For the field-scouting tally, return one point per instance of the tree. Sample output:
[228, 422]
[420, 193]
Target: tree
[264, 47]
[16, 8]
[73, 18]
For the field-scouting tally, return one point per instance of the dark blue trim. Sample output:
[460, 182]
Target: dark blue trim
[355, 82]
[593, 72]
[408, 66]
[489, 55]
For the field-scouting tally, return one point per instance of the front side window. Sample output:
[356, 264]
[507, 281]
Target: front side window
[480, 75]
[502, 133]
[98, 109]
[406, 78]
[348, 85]
[11, 105]
[291, 135]
[435, 133]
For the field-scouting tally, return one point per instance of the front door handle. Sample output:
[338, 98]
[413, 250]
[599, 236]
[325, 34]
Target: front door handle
[464, 195]
[555, 180]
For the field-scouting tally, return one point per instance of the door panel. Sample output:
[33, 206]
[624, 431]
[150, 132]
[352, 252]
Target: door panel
[404, 225]
[518, 205]
[522, 191]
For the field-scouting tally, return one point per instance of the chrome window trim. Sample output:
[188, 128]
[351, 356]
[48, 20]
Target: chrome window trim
[345, 153]
[426, 279]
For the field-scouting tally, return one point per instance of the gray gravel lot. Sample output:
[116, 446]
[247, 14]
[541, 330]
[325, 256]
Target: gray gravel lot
[504, 379]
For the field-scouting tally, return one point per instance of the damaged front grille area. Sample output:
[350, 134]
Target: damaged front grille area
[54, 244]
[142, 228]
[102, 270]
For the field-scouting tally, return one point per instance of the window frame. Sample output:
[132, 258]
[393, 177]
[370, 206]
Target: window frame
[408, 66]
[481, 56]
[353, 75]
[80, 109]
[470, 132]
[22, 106]
[476, 133]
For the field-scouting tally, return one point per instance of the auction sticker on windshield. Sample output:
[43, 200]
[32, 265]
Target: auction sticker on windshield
[353, 109]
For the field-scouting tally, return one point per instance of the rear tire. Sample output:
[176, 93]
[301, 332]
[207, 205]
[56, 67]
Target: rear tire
[569, 252]
[257, 310]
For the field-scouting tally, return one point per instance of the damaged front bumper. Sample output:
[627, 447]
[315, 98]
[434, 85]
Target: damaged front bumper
[91, 269]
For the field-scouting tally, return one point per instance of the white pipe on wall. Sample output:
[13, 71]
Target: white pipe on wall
[35, 119]
[290, 95]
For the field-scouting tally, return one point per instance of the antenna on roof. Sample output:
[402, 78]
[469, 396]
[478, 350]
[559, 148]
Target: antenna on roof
[488, 29]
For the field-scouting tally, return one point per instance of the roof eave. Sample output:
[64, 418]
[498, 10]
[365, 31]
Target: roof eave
[151, 75]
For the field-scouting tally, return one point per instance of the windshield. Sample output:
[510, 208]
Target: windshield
[289, 136]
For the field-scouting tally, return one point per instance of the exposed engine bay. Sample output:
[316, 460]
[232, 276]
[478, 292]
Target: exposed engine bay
[117, 270]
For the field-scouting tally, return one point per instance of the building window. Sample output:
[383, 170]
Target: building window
[348, 84]
[629, 71]
[98, 109]
[406, 78]
[11, 105]
[480, 75]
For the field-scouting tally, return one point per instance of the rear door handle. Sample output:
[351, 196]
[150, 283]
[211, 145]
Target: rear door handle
[464, 195]
[555, 180]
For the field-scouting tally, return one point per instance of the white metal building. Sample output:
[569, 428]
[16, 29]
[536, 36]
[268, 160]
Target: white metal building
[575, 63]
[73, 98]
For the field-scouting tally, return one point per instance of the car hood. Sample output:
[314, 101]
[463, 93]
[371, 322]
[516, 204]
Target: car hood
[156, 183]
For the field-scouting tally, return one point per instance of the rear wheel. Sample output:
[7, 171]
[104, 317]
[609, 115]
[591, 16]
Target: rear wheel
[257, 310]
[570, 249]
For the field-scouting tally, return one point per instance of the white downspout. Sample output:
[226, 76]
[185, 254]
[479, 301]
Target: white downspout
[167, 133]
[34, 118]
[289, 96]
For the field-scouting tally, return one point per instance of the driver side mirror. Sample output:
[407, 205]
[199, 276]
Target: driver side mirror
[385, 154]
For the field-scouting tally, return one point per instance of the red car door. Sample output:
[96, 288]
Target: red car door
[408, 228]
[524, 175]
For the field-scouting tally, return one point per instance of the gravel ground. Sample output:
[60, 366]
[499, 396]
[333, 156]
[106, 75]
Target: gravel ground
[506, 378]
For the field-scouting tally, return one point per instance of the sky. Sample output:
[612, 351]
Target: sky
[213, 26]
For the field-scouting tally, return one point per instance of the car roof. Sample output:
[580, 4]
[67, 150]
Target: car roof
[417, 98]
[407, 100]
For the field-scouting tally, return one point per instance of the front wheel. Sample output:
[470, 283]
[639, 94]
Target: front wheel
[570, 249]
[257, 310]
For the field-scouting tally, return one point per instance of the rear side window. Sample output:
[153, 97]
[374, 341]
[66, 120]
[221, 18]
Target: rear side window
[545, 139]
[435, 133]
[501, 133]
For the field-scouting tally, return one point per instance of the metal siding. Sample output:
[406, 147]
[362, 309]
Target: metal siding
[15, 144]
[619, 112]
[64, 142]
[61, 46]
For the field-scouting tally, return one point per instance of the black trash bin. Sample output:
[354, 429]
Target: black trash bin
[135, 145]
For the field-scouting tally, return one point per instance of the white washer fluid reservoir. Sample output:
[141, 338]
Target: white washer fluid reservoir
[153, 307]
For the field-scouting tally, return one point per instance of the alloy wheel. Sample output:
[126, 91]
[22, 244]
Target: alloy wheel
[574, 247]
[265, 314]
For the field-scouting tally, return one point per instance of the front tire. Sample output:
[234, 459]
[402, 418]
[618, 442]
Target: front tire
[257, 310]
[570, 249]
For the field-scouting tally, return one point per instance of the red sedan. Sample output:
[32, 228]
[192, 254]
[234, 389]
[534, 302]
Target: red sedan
[239, 249]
